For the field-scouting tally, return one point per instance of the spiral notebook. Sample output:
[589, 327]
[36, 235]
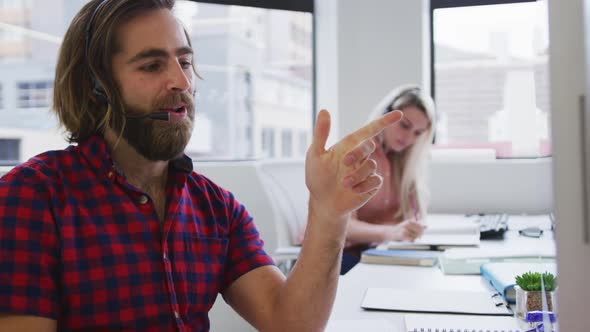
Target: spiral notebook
[460, 323]
[355, 325]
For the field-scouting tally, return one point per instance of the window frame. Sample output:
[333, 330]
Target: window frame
[292, 5]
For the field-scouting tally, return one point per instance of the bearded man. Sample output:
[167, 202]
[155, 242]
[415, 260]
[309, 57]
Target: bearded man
[118, 233]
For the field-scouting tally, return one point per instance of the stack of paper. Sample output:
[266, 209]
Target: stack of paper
[469, 261]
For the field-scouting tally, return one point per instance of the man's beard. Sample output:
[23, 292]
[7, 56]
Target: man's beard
[158, 140]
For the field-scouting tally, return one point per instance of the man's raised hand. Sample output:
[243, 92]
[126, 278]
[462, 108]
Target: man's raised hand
[342, 178]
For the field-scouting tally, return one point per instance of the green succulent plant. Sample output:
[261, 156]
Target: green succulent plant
[531, 281]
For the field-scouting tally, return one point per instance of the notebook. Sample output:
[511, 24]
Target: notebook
[400, 257]
[469, 260]
[442, 231]
[434, 301]
[502, 275]
[460, 323]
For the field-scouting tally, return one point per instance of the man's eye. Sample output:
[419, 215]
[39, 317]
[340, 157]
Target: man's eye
[186, 64]
[152, 67]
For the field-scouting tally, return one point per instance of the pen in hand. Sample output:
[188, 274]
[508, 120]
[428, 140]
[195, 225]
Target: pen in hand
[415, 212]
[414, 206]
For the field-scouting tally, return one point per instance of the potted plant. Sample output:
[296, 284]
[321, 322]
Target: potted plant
[529, 292]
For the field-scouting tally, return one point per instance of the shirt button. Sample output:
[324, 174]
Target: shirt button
[110, 174]
[143, 199]
[176, 314]
[165, 256]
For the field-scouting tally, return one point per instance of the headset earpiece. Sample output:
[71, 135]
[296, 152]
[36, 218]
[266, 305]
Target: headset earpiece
[97, 90]
[99, 93]
[412, 89]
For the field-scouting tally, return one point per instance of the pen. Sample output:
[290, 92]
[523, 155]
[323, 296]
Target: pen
[414, 206]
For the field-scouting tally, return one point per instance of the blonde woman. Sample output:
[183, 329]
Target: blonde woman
[401, 154]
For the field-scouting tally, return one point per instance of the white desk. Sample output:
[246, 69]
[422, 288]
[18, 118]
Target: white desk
[352, 286]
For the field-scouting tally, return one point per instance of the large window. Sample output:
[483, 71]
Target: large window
[257, 65]
[490, 75]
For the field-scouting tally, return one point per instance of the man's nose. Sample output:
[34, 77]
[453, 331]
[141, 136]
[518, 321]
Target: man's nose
[178, 79]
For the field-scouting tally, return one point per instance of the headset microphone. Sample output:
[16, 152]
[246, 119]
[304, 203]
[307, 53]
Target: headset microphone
[164, 116]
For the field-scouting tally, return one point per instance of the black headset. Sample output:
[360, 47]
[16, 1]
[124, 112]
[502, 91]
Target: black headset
[97, 89]
[414, 90]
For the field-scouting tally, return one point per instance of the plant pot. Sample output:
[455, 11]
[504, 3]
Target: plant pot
[532, 300]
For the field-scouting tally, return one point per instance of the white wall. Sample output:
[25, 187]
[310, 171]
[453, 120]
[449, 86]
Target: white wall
[380, 46]
[326, 50]
[364, 49]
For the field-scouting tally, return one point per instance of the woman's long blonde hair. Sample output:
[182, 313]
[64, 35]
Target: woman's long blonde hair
[409, 167]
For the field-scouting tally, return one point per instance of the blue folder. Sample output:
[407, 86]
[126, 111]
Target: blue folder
[502, 275]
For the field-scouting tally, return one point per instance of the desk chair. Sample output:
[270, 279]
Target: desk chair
[284, 183]
[275, 195]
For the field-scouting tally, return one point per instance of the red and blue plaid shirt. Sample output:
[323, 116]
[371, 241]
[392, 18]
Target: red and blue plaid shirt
[81, 245]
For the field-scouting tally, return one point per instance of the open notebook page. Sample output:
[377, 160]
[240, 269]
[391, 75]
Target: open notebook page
[442, 230]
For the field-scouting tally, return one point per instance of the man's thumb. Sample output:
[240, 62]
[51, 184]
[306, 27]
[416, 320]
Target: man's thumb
[321, 132]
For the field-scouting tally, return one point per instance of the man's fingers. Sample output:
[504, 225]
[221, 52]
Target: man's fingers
[360, 153]
[360, 174]
[370, 185]
[373, 128]
[321, 132]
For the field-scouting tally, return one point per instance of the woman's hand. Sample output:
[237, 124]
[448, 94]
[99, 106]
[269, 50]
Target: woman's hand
[407, 230]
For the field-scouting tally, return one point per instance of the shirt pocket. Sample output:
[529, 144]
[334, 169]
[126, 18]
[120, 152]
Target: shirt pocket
[205, 260]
